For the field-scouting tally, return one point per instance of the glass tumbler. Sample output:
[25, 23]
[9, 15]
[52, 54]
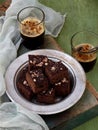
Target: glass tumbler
[83, 47]
[31, 25]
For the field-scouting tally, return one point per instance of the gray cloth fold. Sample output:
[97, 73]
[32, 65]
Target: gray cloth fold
[15, 117]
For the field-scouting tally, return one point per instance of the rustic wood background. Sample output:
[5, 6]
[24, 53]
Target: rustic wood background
[4, 5]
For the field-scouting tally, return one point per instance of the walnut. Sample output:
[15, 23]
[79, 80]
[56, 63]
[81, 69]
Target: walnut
[31, 61]
[64, 80]
[34, 80]
[61, 68]
[46, 64]
[53, 68]
[25, 83]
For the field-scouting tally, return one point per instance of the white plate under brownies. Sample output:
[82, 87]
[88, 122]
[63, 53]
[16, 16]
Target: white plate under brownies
[75, 69]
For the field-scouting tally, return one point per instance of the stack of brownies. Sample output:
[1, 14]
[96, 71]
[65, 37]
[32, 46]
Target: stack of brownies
[44, 80]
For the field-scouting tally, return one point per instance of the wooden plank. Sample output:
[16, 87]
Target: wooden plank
[92, 89]
[4, 5]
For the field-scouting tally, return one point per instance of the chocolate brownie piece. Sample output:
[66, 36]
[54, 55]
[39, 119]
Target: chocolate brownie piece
[55, 71]
[37, 80]
[23, 87]
[62, 88]
[47, 97]
[37, 61]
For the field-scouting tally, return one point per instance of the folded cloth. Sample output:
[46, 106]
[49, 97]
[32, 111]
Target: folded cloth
[9, 43]
[18, 118]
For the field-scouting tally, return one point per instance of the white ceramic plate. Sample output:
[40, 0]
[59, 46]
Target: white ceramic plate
[74, 68]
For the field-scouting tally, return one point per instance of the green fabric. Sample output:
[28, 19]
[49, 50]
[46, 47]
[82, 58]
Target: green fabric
[90, 125]
[81, 14]
[1, 1]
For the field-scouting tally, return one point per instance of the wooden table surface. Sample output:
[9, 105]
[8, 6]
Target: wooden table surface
[81, 14]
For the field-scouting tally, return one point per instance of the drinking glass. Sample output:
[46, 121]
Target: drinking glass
[31, 25]
[82, 44]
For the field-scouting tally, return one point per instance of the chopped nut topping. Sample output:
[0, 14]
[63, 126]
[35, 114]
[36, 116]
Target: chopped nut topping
[40, 64]
[44, 92]
[34, 61]
[31, 61]
[30, 72]
[46, 64]
[61, 68]
[45, 60]
[64, 80]
[85, 57]
[32, 27]
[50, 92]
[53, 68]
[25, 83]
[34, 80]
[59, 83]
[32, 75]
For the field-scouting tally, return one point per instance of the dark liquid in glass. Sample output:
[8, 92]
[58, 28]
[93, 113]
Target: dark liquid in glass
[33, 42]
[32, 32]
[87, 66]
[87, 60]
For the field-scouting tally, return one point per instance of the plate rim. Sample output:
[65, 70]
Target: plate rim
[53, 108]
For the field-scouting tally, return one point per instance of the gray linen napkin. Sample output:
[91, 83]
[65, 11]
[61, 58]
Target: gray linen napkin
[19, 118]
[9, 43]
